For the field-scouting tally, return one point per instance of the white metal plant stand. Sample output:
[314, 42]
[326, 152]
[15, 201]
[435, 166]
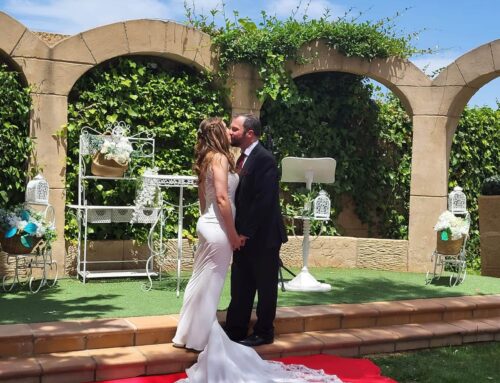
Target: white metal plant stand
[171, 181]
[87, 213]
[309, 170]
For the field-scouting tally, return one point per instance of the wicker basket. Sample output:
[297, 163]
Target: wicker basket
[107, 168]
[13, 245]
[450, 247]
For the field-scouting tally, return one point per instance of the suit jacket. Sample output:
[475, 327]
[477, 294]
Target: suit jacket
[258, 212]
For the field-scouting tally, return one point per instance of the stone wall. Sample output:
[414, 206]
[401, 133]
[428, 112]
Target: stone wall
[336, 252]
[51, 65]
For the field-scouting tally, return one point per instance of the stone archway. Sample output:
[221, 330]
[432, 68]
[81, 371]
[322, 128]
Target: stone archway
[52, 71]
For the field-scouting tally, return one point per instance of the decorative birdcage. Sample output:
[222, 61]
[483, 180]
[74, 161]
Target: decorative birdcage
[457, 202]
[37, 191]
[322, 206]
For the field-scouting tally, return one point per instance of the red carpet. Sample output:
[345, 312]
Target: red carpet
[349, 370]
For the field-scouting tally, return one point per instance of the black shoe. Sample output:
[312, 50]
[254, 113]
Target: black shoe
[256, 340]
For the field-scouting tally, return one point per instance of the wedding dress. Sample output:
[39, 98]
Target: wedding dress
[222, 360]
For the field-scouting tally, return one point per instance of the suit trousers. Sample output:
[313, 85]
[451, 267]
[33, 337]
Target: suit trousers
[253, 272]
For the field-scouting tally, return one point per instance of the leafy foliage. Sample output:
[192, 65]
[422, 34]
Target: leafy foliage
[491, 186]
[149, 95]
[272, 42]
[371, 142]
[15, 144]
[475, 156]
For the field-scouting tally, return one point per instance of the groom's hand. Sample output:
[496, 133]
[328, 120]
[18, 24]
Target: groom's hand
[243, 240]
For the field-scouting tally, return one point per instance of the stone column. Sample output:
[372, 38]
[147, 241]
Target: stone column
[428, 189]
[243, 84]
[48, 117]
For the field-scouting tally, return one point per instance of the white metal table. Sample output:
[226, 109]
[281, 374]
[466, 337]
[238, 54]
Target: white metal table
[173, 181]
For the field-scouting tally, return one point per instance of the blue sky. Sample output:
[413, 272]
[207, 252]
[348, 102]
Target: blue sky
[452, 27]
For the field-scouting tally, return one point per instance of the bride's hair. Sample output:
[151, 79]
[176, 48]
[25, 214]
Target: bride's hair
[212, 140]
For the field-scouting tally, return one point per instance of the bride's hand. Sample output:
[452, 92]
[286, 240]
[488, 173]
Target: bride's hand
[235, 241]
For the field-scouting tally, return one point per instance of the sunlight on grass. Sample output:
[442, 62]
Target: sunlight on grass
[71, 299]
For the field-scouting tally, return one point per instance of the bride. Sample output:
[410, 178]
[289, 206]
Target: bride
[221, 360]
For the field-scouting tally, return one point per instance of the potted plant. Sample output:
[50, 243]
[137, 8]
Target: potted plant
[489, 226]
[22, 228]
[113, 157]
[451, 232]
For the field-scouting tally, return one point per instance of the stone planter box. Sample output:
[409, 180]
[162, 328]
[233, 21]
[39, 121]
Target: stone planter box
[489, 232]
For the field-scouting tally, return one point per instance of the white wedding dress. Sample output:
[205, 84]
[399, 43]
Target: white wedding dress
[222, 360]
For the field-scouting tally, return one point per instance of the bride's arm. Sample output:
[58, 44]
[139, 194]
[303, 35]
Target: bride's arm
[220, 168]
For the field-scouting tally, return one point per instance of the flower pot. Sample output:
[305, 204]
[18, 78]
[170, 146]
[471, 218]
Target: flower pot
[13, 245]
[450, 247]
[107, 168]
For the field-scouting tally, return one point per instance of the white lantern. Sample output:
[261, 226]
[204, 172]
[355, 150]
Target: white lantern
[457, 202]
[322, 206]
[37, 191]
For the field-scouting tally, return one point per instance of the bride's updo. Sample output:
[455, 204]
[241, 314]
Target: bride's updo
[212, 140]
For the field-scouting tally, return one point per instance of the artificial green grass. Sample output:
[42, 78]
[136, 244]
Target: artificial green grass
[471, 363]
[109, 298]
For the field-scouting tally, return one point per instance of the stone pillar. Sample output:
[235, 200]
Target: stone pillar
[48, 117]
[243, 84]
[429, 185]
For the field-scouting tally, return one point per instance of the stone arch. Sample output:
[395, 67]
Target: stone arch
[14, 38]
[467, 74]
[395, 73]
[137, 37]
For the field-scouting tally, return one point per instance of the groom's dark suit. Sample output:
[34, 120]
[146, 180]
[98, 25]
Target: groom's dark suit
[256, 265]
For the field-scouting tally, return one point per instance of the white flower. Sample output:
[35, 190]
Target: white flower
[458, 226]
[117, 149]
[21, 225]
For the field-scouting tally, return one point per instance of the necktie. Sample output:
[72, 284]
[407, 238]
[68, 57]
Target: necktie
[240, 161]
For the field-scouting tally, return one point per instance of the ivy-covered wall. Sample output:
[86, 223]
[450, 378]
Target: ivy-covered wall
[15, 144]
[151, 95]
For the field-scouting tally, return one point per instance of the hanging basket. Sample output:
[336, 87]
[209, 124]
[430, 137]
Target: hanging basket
[107, 168]
[13, 245]
[450, 247]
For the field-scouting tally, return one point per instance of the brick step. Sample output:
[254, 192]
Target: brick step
[122, 362]
[42, 338]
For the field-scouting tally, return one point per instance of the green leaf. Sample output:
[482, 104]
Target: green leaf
[112, 118]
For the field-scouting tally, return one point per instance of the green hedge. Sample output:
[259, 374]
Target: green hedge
[15, 144]
[150, 95]
[336, 116]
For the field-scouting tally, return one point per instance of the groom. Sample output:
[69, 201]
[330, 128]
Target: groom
[259, 222]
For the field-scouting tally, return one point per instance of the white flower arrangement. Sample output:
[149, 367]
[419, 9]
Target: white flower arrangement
[454, 227]
[27, 224]
[147, 195]
[117, 148]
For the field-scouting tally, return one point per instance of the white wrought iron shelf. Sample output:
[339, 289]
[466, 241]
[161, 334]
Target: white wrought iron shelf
[100, 207]
[84, 177]
[117, 273]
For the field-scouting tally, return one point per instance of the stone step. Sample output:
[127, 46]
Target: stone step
[42, 338]
[153, 359]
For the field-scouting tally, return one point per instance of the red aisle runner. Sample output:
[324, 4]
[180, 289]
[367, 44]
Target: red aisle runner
[349, 370]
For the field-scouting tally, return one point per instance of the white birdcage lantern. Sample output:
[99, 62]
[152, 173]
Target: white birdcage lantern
[457, 202]
[322, 206]
[37, 191]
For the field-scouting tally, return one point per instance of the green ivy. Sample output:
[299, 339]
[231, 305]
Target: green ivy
[269, 44]
[336, 116]
[15, 144]
[475, 156]
[152, 96]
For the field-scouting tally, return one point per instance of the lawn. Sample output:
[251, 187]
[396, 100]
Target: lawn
[471, 363]
[71, 299]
